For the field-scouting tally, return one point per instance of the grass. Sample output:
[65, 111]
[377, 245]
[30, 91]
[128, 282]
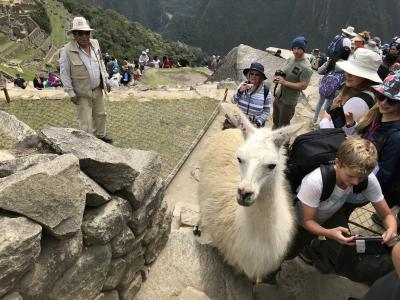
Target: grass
[25, 55]
[27, 74]
[170, 77]
[5, 141]
[165, 126]
[7, 45]
[59, 19]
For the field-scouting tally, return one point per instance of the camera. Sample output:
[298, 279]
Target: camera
[279, 73]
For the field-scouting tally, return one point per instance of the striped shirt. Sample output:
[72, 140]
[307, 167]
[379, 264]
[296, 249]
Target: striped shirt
[254, 105]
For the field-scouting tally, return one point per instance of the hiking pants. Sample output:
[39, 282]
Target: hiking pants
[92, 113]
[327, 107]
[282, 113]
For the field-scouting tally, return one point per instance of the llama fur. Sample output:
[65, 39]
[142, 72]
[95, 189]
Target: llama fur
[254, 239]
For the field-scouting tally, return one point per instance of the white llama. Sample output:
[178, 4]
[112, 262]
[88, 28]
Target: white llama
[248, 214]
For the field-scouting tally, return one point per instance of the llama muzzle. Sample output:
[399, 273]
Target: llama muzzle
[245, 198]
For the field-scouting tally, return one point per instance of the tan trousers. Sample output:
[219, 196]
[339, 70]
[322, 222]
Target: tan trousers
[92, 113]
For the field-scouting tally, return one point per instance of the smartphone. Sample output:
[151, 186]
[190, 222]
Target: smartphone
[338, 117]
[370, 245]
[369, 238]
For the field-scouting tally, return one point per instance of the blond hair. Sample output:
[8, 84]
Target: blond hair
[367, 119]
[348, 92]
[358, 154]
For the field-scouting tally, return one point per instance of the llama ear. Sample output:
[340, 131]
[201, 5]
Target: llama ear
[239, 119]
[282, 135]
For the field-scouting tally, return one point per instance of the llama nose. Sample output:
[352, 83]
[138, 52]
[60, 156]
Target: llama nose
[244, 198]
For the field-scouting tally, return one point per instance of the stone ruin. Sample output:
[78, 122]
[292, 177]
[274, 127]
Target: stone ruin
[17, 25]
[81, 220]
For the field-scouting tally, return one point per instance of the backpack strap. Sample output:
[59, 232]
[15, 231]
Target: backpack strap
[367, 98]
[266, 91]
[328, 181]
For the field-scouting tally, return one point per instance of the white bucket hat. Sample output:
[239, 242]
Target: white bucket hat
[350, 31]
[362, 63]
[80, 23]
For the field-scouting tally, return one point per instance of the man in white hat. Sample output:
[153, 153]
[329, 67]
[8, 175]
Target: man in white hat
[84, 76]
[341, 41]
[143, 60]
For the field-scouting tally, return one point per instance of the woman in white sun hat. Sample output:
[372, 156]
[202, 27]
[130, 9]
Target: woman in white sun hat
[357, 95]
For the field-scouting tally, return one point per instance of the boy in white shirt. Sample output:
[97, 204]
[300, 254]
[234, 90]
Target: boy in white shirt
[355, 160]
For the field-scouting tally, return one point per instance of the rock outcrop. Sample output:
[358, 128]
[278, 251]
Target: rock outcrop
[84, 222]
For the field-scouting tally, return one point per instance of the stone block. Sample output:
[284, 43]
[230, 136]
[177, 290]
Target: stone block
[49, 193]
[85, 279]
[9, 167]
[115, 273]
[95, 194]
[123, 242]
[19, 248]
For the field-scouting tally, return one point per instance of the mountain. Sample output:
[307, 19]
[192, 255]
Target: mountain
[123, 38]
[218, 25]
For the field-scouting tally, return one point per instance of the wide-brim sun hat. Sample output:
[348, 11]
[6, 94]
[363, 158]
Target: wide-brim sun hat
[349, 30]
[255, 66]
[390, 87]
[81, 24]
[362, 63]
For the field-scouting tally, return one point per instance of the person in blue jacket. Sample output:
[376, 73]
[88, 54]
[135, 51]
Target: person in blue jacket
[381, 126]
[253, 97]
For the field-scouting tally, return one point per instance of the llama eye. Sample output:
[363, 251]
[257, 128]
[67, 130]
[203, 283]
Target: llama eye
[239, 160]
[271, 166]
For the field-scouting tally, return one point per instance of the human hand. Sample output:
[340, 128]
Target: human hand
[326, 116]
[279, 79]
[341, 235]
[243, 87]
[349, 119]
[390, 237]
[75, 100]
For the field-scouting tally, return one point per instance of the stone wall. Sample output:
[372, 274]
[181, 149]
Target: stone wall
[18, 25]
[82, 222]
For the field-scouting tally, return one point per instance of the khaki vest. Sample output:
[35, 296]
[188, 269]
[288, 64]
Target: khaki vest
[79, 74]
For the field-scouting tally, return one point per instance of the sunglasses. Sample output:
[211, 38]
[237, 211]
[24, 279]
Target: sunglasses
[381, 97]
[254, 74]
[81, 33]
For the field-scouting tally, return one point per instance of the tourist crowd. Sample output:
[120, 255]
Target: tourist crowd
[360, 93]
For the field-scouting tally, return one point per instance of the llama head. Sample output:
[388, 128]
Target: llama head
[260, 157]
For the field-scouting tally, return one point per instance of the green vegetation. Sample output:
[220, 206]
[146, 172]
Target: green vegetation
[171, 77]
[123, 38]
[25, 55]
[166, 126]
[27, 73]
[7, 45]
[5, 141]
[39, 15]
[59, 20]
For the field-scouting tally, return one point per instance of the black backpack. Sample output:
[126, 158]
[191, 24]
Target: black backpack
[316, 149]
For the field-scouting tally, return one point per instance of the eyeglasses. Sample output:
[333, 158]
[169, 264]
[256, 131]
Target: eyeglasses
[254, 74]
[381, 97]
[81, 33]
